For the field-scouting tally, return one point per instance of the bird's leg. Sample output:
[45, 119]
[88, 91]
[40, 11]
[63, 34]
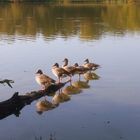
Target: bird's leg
[43, 87]
[79, 76]
[59, 91]
[89, 71]
[59, 79]
[70, 80]
[45, 98]
[94, 68]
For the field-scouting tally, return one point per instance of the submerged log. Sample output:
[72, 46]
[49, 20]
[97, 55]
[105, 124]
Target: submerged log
[17, 102]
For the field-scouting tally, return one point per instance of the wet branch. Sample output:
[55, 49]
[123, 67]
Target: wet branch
[17, 102]
[8, 82]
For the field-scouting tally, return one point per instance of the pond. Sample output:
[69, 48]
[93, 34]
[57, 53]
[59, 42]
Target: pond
[35, 36]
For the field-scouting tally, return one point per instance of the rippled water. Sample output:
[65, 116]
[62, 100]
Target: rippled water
[35, 36]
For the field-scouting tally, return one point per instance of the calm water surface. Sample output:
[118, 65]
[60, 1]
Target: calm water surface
[37, 36]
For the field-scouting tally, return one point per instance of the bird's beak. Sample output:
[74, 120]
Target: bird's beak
[86, 60]
[53, 65]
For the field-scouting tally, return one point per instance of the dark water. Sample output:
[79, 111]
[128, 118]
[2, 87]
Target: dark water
[34, 36]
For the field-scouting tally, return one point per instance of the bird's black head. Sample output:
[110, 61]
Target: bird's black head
[39, 112]
[76, 65]
[39, 72]
[86, 61]
[65, 60]
[56, 65]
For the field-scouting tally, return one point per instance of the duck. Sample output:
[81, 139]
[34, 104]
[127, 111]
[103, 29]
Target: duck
[59, 72]
[80, 69]
[90, 66]
[70, 69]
[43, 80]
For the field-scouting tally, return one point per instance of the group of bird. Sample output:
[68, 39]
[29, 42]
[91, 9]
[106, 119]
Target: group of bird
[65, 71]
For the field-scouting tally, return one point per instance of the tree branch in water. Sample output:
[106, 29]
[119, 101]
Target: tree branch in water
[8, 82]
[17, 102]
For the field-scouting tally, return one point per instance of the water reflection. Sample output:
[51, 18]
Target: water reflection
[64, 95]
[71, 90]
[91, 76]
[81, 84]
[44, 105]
[88, 22]
[16, 103]
[60, 98]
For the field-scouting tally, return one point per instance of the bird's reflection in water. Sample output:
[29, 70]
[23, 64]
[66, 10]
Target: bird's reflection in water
[51, 94]
[69, 90]
[63, 95]
[91, 76]
[60, 97]
[44, 105]
[81, 84]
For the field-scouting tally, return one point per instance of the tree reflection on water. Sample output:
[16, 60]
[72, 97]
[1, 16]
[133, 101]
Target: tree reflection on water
[88, 22]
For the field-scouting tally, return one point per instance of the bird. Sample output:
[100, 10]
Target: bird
[90, 66]
[70, 69]
[80, 69]
[59, 72]
[43, 79]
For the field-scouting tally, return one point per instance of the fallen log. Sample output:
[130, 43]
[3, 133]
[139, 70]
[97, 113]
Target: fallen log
[17, 102]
